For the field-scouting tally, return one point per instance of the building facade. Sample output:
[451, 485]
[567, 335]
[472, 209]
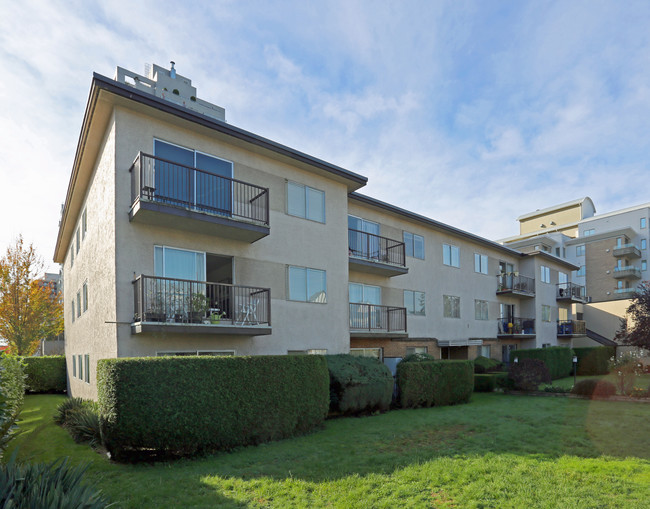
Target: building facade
[184, 235]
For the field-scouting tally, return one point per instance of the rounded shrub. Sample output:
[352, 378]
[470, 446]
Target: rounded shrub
[594, 388]
[485, 365]
[418, 357]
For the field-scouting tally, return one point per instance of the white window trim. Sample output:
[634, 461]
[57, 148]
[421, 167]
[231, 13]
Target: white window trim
[451, 258]
[306, 187]
[288, 282]
[480, 258]
[413, 235]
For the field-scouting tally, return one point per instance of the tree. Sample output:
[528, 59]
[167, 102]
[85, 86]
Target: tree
[637, 332]
[30, 309]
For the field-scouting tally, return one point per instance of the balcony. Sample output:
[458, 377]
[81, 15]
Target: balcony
[624, 293]
[627, 272]
[513, 284]
[571, 328]
[516, 327]
[570, 292]
[371, 320]
[628, 250]
[167, 194]
[198, 307]
[375, 254]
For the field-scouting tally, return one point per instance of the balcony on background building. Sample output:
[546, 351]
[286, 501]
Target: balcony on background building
[571, 328]
[198, 307]
[371, 320]
[627, 272]
[376, 254]
[511, 283]
[628, 250]
[164, 193]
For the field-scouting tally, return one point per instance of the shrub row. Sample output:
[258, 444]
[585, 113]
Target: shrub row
[528, 374]
[429, 383]
[185, 405]
[12, 395]
[594, 360]
[485, 383]
[45, 374]
[358, 384]
[485, 365]
[558, 359]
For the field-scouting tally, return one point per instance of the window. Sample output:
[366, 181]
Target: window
[366, 352]
[480, 263]
[580, 250]
[480, 310]
[364, 294]
[643, 222]
[179, 263]
[546, 313]
[85, 296]
[644, 265]
[563, 279]
[451, 255]
[305, 202]
[76, 235]
[87, 368]
[414, 302]
[557, 252]
[581, 271]
[80, 366]
[72, 257]
[185, 353]
[78, 304]
[321, 351]
[74, 366]
[307, 285]
[410, 350]
[84, 224]
[73, 311]
[644, 243]
[485, 351]
[589, 233]
[546, 345]
[414, 245]
[545, 274]
[562, 314]
[451, 306]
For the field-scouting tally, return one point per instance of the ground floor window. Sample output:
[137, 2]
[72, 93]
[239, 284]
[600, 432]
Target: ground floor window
[185, 353]
[485, 351]
[410, 350]
[366, 352]
[313, 351]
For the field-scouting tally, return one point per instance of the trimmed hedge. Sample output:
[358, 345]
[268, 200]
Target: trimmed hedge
[425, 384]
[558, 359]
[358, 384]
[485, 383]
[188, 405]
[594, 360]
[45, 374]
[12, 395]
[485, 365]
[528, 374]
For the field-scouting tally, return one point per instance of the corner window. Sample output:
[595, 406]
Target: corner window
[414, 302]
[307, 285]
[480, 310]
[545, 274]
[306, 202]
[451, 255]
[480, 263]
[414, 245]
[451, 306]
[580, 250]
[643, 222]
[546, 313]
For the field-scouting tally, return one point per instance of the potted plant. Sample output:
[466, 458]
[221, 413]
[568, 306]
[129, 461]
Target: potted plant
[156, 311]
[216, 316]
[198, 306]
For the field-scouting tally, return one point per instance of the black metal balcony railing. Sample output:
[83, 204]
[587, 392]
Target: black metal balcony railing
[509, 282]
[515, 325]
[570, 291]
[166, 300]
[158, 180]
[375, 318]
[571, 327]
[376, 248]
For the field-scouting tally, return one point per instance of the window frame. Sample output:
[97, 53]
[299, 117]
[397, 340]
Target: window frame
[581, 250]
[87, 368]
[643, 223]
[306, 190]
[78, 303]
[417, 349]
[545, 274]
[413, 236]
[454, 303]
[481, 309]
[546, 313]
[84, 297]
[589, 232]
[363, 351]
[481, 263]
[84, 224]
[307, 270]
[448, 251]
[413, 297]
[644, 244]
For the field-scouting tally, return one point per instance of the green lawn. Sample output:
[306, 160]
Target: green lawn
[642, 381]
[498, 451]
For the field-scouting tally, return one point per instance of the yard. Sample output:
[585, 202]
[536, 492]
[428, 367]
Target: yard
[497, 451]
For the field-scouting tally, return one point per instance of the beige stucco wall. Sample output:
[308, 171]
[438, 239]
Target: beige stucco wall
[559, 217]
[94, 332]
[293, 241]
[604, 318]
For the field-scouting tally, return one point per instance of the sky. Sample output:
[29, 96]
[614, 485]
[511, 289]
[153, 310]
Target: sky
[469, 112]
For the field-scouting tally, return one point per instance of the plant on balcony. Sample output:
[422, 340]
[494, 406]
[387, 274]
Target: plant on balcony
[198, 305]
[156, 310]
[216, 316]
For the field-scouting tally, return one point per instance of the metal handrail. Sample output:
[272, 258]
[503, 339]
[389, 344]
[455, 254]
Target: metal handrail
[570, 290]
[515, 325]
[373, 317]
[515, 282]
[376, 248]
[570, 327]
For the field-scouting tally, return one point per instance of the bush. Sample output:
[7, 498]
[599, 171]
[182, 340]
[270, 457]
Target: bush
[51, 485]
[359, 384]
[485, 383]
[188, 405]
[12, 395]
[594, 388]
[424, 384]
[418, 357]
[485, 365]
[81, 419]
[66, 407]
[595, 360]
[503, 382]
[555, 389]
[558, 359]
[46, 374]
[527, 374]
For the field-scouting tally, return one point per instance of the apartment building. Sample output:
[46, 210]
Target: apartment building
[610, 250]
[182, 235]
